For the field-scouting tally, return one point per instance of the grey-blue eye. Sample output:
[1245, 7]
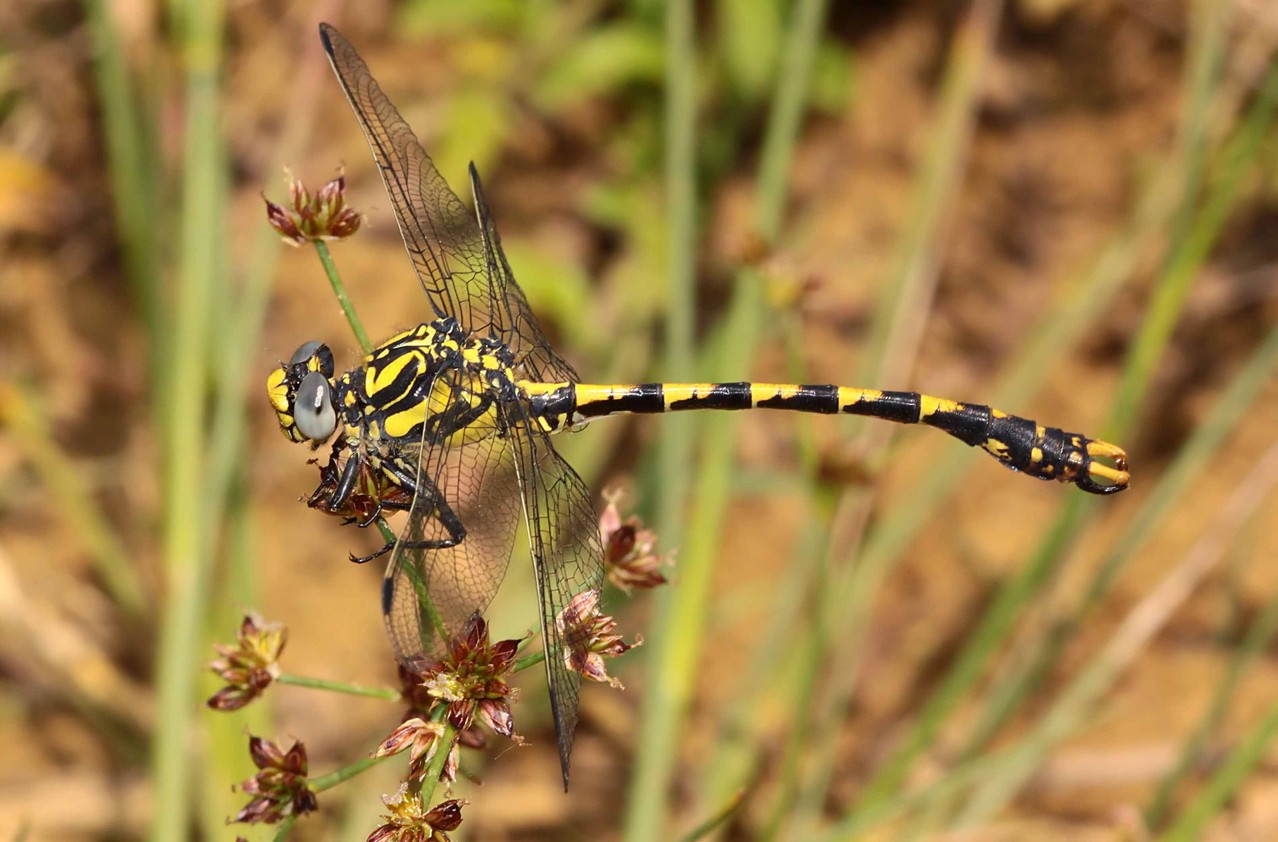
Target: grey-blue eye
[313, 407]
[305, 351]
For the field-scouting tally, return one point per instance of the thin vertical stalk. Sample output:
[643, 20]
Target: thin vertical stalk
[1202, 77]
[1061, 536]
[1190, 254]
[129, 154]
[29, 431]
[846, 602]
[1259, 637]
[674, 452]
[344, 300]
[1223, 787]
[238, 334]
[677, 642]
[187, 556]
[1072, 710]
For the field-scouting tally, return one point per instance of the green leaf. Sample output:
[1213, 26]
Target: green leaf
[833, 78]
[749, 43]
[446, 17]
[616, 55]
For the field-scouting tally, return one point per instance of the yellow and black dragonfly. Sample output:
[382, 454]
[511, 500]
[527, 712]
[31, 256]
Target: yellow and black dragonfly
[452, 419]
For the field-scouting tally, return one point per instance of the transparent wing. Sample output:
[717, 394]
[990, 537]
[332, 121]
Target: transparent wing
[429, 593]
[534, 354]
[563, 534]
[461, 269]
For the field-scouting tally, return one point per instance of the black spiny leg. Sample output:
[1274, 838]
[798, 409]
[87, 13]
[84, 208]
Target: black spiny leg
[439, 509]
[345, 484]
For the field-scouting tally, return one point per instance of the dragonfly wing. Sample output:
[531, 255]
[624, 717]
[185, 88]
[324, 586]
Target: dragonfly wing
[563, 535]
[528, 344]
[460, 268]
[430, 591]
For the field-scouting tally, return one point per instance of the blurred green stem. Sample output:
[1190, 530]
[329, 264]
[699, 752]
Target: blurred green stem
[29, 431]
[1259, 638]
[340, 687]
[674, 451]
[187, 556]
[897, 329]
[345, 773]
[130, 153]
[676, 645]
[1076, 704]
[1182, 261]
[1223, 787]
[1189, 256]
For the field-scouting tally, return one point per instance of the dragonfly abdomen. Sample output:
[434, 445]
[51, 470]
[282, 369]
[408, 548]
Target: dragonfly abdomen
[1021, 444]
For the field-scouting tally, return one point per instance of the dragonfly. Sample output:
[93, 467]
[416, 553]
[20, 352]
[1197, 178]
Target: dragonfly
[452, 422]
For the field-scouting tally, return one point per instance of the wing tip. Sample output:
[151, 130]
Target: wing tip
[327, 33]
[476, 188]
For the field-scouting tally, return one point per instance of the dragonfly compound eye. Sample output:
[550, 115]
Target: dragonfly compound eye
[313, 407]
[323, 357]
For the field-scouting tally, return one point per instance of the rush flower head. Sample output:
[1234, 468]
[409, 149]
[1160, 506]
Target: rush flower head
[590, 637]
[470, 680]
[279, 788]
[421, 739]
[250, 666]
[630, 549]
[408, 820]
[323, 216]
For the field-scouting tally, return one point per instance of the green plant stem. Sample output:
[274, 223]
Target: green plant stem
[717, 820]
[129, 152]
[234, 364]
[528, 661]
[345, 773]
[1058, 330]
[674, 451]
[339, 290]
[1075, 705]
[846, 602]
[187, 558]
[286, 827]
[340, 687]
[1258, 639]
[1183, 260]
[676, 645]
[1194, 457]
[29, 431]
[435, 768]
[1224, 785]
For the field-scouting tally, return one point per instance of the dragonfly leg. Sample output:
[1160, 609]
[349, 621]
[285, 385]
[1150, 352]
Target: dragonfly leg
[345, 484]
[455, 419]
[424, 493]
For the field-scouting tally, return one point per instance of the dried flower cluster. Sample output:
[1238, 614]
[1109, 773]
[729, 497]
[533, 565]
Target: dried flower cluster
[250, 666]
[323, 216]
[408, 820]
[279, 789]
[471, 679]
[470, 682]
[589, 637]
[630, 549]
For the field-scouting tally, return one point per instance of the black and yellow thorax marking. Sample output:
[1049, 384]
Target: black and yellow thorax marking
[429, 384]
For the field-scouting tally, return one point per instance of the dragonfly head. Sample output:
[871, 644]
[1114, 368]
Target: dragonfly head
[301, 393]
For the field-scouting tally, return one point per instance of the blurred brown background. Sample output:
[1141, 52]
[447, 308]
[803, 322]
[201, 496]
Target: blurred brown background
[1069, 158]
